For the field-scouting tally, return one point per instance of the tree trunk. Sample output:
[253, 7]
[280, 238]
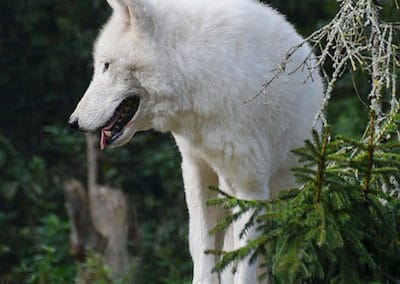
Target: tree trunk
[101, 221]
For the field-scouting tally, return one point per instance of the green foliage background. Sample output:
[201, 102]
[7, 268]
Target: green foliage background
[45, 55]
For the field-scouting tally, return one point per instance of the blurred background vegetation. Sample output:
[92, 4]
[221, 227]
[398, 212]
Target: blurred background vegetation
[45, 54]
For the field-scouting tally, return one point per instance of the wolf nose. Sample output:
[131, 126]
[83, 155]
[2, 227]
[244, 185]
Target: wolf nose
[74, 124]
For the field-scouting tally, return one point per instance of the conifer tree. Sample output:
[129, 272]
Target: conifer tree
[343, 224]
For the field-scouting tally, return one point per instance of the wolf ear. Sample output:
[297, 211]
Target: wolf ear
[138, 13]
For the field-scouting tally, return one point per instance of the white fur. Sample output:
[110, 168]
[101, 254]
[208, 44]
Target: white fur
[194, 63]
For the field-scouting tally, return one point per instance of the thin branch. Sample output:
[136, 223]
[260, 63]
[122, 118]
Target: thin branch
[355, 37]
[370, 152]
[319, 181]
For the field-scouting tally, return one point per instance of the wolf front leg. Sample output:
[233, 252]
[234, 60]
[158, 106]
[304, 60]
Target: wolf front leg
[197, 177]
[247, 273]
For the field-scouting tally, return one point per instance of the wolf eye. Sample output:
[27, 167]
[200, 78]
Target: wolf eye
[106, 66]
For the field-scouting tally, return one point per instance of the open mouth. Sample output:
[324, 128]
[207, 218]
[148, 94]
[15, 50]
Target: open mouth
[114, 128]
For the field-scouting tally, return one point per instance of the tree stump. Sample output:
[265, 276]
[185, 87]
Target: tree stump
[101, 220]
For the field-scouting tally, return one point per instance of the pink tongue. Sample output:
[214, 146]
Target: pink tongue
[103, 137]
[102, 140]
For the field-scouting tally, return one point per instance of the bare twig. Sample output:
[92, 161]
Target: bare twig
[355, 39]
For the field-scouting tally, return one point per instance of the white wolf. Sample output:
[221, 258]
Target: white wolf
[187, 67]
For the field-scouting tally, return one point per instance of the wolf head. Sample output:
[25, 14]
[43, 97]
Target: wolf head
[128, 81]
